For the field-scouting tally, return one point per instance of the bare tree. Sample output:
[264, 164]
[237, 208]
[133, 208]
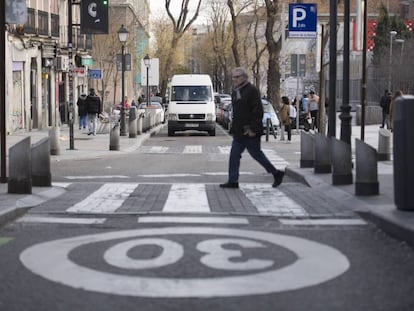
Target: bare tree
[219, 41]
[273, 47]
[180, 26]
[234, 13]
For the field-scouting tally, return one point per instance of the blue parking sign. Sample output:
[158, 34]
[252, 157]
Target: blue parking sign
[303, 20]
[95, 74]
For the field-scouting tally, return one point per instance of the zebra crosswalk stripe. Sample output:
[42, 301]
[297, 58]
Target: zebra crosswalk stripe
[106, 199]
[187, 198]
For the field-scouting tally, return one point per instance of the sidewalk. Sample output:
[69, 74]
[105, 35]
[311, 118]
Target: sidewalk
[379, 209]
[85, 147]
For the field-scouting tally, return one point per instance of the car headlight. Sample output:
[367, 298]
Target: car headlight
[172, 117]
[211, 117]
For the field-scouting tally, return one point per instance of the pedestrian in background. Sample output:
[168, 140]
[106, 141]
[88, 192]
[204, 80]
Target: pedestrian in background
[82, 111]
[385, 103]
[285, 117]
[304, 103]
[247, 128]
[397, 94]
[94, 107]
[313, 103]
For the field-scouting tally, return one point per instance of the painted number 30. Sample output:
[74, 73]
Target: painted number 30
[216, 255]
[318, 262]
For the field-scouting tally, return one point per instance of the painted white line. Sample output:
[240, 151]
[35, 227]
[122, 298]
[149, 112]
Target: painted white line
[224, 149]
[199, 220]
[323, 222]
[272, 201]
[62, 220]
[158, 149]
[315, 263]
[193, 149]
[61, 184]
[96, 177]
[168, 175]
[106, 199]
[187, 198]
[275, 158]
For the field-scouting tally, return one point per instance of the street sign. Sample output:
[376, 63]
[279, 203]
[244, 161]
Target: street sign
[94, 17]
[95, 74]
[87, 61]
[128, 62]
[303, 20]
[153, 72]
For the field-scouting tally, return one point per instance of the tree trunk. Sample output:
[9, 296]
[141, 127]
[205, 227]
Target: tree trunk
[273, 47]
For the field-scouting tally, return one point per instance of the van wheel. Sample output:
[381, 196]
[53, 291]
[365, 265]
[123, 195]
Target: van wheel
[212, 132]
[170, 133]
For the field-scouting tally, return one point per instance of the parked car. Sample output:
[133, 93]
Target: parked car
[270, 113]
[228, 117]
[221, 109]
[158, 108]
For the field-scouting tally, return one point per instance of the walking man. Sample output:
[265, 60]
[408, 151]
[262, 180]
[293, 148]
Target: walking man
[246, 129]
[94, 107]
[82, 111]
[385, 102]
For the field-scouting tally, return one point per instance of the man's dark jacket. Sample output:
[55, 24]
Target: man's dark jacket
[82, 105]
[93, 104]
[247, 111]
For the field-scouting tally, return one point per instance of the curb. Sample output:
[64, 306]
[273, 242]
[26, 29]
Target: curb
[398, 224]
[24, 204]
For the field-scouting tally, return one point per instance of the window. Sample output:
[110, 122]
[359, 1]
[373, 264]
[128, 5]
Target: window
[191, 93]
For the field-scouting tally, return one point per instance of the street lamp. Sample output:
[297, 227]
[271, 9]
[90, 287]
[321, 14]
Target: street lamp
[402, 47]
[147, 63]
[393, 33]
[123, 37]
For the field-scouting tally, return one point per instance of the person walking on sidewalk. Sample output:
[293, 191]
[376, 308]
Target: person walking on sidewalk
[247, 128]
[385, 103]
[313, 103]
[94, 108]
[285, 116]
[82, 110]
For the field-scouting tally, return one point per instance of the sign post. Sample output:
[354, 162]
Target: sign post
[302, 25]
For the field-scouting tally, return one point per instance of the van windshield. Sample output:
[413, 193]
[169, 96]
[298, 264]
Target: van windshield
[191, 93]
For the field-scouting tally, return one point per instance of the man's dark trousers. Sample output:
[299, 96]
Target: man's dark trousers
[253, 147]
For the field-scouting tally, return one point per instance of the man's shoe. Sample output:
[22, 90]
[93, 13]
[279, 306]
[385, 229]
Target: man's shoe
[230, 185]
[278, 178]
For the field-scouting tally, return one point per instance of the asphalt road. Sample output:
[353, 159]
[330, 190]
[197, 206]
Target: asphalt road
[153, 231]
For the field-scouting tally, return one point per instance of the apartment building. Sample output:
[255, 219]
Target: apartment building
[37, 63]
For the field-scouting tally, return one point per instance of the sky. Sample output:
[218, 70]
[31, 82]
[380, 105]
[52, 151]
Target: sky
[175, 6]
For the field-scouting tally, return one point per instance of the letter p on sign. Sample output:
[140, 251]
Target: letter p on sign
[302, 20]
[299, 14]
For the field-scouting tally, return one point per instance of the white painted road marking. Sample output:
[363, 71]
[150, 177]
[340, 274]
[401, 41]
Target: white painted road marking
[323, 222]
[62, 220]
[269, 200]
[198, 220]
[106, 199]
[316, 263]
[193, 149]
[97, 176]
[187, 198]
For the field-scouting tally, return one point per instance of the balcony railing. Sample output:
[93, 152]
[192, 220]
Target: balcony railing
[54, 25]
[30, 26]
[43, 23]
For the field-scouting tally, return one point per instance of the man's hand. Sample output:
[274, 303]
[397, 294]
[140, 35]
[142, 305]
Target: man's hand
[248, 132]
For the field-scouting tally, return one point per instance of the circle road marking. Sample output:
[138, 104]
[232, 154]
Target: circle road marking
[316, 263]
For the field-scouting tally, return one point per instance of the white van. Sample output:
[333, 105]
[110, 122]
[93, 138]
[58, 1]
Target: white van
[191, 104]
